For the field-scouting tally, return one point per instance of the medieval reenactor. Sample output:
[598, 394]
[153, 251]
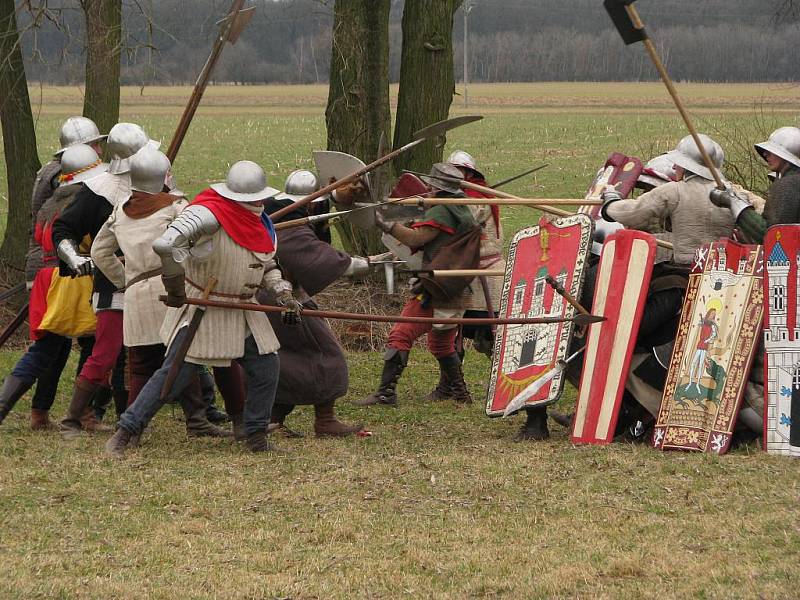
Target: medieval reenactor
[84, 217]
[781, 152]
[439, 225]
[132, 228]
[313, 366]
[221, 246]
[60, 307]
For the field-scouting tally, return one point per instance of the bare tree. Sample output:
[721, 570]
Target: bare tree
[103, 45]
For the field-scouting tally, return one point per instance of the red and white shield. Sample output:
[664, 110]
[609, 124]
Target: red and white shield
[524, 353]
[714, 348]
[623, 278]
[620, 171]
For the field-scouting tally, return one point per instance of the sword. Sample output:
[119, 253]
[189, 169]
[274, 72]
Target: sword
[347, 316]
[18, 320]
[420, 136]
[518, 401]
[186, 342]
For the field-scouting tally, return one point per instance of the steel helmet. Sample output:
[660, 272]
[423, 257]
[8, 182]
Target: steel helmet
[149, 169]
[125, 140]
[465, 160]
[658, 171]
[299, 184]
[443, 170]
[78, 130]
[688, 156]
[783, 143]
[246, 182]
[80, 162]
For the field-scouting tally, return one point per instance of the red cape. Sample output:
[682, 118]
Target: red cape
[244, 227]
[475, 194]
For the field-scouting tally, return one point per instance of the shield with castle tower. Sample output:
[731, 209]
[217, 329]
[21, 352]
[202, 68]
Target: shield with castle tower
[523, 353]
[714, 349]
[782, 340]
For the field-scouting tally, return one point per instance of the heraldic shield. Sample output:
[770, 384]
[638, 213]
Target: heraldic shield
[623, 277]
[524, 353]
[620, 171]
[714, 349]
[782, 340]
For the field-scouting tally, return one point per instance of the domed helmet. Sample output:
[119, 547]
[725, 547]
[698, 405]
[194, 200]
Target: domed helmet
[149, 169]
[688, 156]
[465, 160]
[783, 143]
[125, 140]
[658, 171]
[78, 130]
[246, 182]
[299, 184]
[443, 170]
[80, 162]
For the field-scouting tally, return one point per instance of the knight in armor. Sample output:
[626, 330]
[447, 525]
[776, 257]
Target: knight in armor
[223, 235]
[438, 226]
[313, 366]
[60, 306]
[83, 219]
[131, 229]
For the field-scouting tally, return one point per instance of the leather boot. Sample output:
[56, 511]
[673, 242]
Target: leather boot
[90, 420]
[118, 443]
[535, 427]
[13, 389]
[120, 401]
[442, 391]
[563, 419]
[394, 363]
[277, 422]
[326, 423]
[451, 366]
[71, 426]
[238, 427]
[258, 442]
[194, 409]
[40, 420]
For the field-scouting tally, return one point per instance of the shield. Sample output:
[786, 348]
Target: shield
[623, 278]
[620, 171]
[526, 353]
[717, 335]
[333, 166]
[782, 341]
[407, 185]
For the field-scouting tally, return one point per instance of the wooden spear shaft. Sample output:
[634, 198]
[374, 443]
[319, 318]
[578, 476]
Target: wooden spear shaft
[433, 201]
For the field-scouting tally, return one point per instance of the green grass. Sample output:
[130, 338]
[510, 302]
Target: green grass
[440, 502]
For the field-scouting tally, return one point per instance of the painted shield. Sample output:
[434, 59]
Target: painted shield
[714, 348]
[782, 341]
[333, 166]
[620, 171]
[621, 284]
[525, 353]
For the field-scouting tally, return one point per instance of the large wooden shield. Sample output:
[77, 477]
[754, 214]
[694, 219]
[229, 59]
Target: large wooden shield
[524, 353]
[782, 341]
[620, 171]
[623, 278]
[717, 334]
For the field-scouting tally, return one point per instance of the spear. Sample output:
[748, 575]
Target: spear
[520, 176]
[347, 316]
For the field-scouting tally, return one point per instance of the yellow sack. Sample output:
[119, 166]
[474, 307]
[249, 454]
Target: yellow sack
[69, 307]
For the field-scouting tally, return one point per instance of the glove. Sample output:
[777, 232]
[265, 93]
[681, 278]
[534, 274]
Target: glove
[79, 265]
[609, 196]
[381, 222]
[291, 315]
[352, 192]
[729, 199]
[176, 290]
[358, 266]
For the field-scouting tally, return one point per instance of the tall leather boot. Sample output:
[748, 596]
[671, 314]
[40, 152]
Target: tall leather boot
[327, 425]
[451, 367]
[277, 420]
[194, 409]
[71, 425]
[442, 391]
[40, 420]
[90, 420]
[120, 401]
[13, 389]
[535, 427]
[394, 361]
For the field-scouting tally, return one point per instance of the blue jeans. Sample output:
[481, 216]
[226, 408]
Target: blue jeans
[261, 375]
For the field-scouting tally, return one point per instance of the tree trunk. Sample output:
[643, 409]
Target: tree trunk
[358, 99]
[427, 82]
[103, 45]
[19, 142]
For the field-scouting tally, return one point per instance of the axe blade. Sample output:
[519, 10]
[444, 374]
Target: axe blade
[622, 21]
[240, 23]
[443, 127]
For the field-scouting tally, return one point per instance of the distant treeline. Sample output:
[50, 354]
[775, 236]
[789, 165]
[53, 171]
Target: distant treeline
[167, 41]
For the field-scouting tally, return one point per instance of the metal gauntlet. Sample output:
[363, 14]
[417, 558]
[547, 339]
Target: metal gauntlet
[68, 252]
[178, 241]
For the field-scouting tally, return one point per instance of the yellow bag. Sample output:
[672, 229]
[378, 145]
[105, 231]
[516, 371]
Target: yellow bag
[69, 307]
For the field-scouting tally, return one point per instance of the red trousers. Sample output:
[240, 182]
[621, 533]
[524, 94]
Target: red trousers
[403, 335]
[107, 346]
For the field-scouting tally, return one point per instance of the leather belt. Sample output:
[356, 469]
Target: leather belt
[221, 294]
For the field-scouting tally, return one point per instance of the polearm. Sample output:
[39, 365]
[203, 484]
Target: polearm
[434, 201]
[15, 324]
[631, 28]
[327, 314]
[231, 27]
[520, 176]
[420, 136]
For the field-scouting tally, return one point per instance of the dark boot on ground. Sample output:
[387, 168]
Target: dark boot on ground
[120, 401]
[327, 425]
[238, 427]
[90, 420]
[563, 419]
[13, 389]
[442, 391]
[258, 442]
[71, 425]
[535, 427]
[394, 361]
[215, 415]
[277, 422]
[119, 442]
[451, 367]
[40, 420]
[194, 410]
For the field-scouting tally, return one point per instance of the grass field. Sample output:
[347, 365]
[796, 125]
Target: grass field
[440, 502]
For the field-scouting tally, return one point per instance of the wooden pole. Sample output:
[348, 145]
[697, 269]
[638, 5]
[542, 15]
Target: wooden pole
[433, 201]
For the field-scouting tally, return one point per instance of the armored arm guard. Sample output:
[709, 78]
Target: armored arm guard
[178, 241]
[67, 251]
[358, 266]
[273, 282]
